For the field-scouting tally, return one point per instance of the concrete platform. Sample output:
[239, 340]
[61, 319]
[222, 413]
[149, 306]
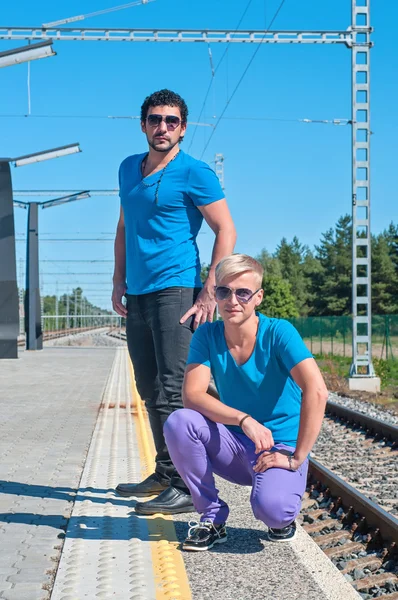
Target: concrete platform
[49, 403]
[56, 405]
[249, 567]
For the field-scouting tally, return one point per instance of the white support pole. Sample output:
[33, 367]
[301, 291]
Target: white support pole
[56, 306]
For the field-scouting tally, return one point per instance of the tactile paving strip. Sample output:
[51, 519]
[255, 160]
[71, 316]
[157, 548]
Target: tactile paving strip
[171, 579]
[109, 551]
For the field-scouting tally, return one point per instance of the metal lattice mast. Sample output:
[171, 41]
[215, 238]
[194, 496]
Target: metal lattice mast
[58, 34]
[219, 162]
[361, 236]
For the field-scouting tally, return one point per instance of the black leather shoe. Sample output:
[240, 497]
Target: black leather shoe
[169, 502]
[151, 485]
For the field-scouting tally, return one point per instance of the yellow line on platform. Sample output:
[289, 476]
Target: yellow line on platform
[171, 581]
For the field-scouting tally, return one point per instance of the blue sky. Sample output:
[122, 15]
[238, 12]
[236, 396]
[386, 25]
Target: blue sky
[282, 177]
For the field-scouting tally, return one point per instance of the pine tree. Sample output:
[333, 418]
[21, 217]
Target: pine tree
[49, 305]
[270, 264]
[391, 235]
[278, 298]
[204, 272]
[385, 272]
[312, 270]
[292, 257]
[332, 285]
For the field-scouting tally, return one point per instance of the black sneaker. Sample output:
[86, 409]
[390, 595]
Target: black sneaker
[286, 534]
[203, 536]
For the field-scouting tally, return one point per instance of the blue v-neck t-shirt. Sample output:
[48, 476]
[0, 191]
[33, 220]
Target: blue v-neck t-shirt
[263, 386]
[161, 249]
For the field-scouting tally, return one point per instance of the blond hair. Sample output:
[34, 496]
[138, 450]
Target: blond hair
[235, 264]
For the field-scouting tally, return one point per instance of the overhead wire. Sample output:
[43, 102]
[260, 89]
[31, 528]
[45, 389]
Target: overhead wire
[128, 117]
[242, 76]
[238, 118]
[116, 8]
[53, 274]
[97, 233]
[213, 75]
[95, 14]
[71, 240]
[307, 121]
[79, 260]
[211, 60]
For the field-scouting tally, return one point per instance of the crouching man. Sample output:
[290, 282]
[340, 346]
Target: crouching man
[260, 432]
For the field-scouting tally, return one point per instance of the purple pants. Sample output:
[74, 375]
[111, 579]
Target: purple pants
[200, 448]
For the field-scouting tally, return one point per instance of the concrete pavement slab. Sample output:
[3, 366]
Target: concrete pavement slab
[49, 401]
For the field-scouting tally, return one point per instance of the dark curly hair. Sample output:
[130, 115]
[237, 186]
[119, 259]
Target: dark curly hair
[164, 98]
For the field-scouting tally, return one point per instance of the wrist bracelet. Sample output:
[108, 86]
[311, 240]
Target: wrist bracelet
[289, 458]
[242, 419]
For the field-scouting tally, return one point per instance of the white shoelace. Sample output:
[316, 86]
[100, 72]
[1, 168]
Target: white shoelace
[206, 525]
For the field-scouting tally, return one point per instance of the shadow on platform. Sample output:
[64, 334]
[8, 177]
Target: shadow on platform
[240, 539]
[67, 494]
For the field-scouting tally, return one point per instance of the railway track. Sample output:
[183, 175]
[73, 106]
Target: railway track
[358, 536]
[372, 426]
[50, 335]
[355, 532]
[363, 451]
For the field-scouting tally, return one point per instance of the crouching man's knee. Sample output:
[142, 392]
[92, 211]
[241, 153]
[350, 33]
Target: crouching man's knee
[179, 422]
[274, 511]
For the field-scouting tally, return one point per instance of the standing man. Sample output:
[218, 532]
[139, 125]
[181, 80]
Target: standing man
[165, 194]
[270, 411]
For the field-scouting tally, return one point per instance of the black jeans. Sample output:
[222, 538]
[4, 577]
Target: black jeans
[158, 346]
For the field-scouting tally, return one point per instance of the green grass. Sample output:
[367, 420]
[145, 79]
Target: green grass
[387, 370]
[339, 365]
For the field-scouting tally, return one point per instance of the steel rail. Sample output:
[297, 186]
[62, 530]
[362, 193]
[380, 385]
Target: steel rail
[375, 516]
[375, 426]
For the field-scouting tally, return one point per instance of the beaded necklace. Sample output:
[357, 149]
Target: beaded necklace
[157, 183]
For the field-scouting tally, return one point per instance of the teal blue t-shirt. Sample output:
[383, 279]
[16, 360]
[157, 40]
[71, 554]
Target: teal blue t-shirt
[161, 249]
[263, 386]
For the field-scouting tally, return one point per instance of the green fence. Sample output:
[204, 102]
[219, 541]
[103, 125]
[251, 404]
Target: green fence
[333, 335]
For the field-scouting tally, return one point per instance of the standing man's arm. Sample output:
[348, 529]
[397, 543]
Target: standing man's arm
[219, 219]
[119, 274]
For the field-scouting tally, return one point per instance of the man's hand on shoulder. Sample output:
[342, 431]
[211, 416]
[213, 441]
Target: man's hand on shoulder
[119, 289]
[203, 309]
[260, 435]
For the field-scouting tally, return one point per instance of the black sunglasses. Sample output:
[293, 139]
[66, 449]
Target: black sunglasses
[242, 294]
[172, 122]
